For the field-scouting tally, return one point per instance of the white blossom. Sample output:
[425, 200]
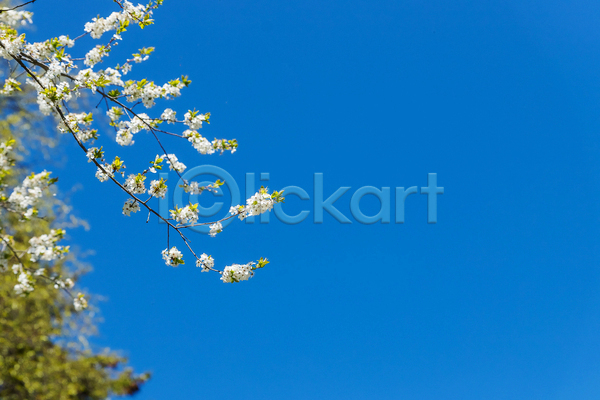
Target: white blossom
[194, 188]
[94, 56]
[43, 247]
[26, 282]
[79, 302]
[215, 228]
[259, 203]
[168, 115]
[237, 273]
[174, 164]
[130, 13]
[157, 188]
[5, 153]
[17, 268]
[130, 206]
[172, 257]
[15, 18]
[59, 78]
[125, 138]
[193, 120]
[10, 85]
[103, 177]
[205, 262]
[65, 41]
[185, 215]
[135, 183]
[198, 142]
[23, 197]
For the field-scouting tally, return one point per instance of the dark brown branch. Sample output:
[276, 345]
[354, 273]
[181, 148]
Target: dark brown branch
[19, 6]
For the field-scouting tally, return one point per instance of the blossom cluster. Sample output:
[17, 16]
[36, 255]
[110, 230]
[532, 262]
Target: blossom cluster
[10, 86]
[60, 78]
[26, 282]
[44, 247]
[24, 197]
[242, 272]
[80, 302]
[118, 21]
[174, 163]
[205, 262]
[130, 206]
[231, 274]
[237, 273]
[204, 146]
[172, 257]
[259, 203]
[158, 188]
[185, 215]
[15, 17]
[215, 228]
[6, 160]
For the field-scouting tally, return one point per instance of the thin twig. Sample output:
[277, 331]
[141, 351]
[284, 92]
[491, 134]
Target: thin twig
[19, 6]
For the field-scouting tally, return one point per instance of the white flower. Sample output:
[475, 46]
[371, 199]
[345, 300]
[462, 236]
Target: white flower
[126, 68]
[174, 164]
[139, 122]
[114, 113]
[158, 188]
[130, 13]
[92, 153]
[125, 138]
[259, 203]
[185, 215]
[23, 197]
[5, 155]
[94, 56]
[80, 302]
[103, 177]
[215, 228]
[172, 257]
[25, 284]
[205, 262]
[169, 116]
[240, 211]
[16, 268]
[146, 92]
[193, 119]
[43, 247]
[135, 183]
[15, 18]
[58, 284]
[194, 188]
[222, 145]
[130, 206]
[237, 273]
[65, 41]
[137, 58]
[9, 86]
[12, 44]
[198, 142]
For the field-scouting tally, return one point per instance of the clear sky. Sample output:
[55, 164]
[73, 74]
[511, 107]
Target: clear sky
[498, 300]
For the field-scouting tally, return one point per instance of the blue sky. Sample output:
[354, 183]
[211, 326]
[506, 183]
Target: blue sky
[498, 300]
